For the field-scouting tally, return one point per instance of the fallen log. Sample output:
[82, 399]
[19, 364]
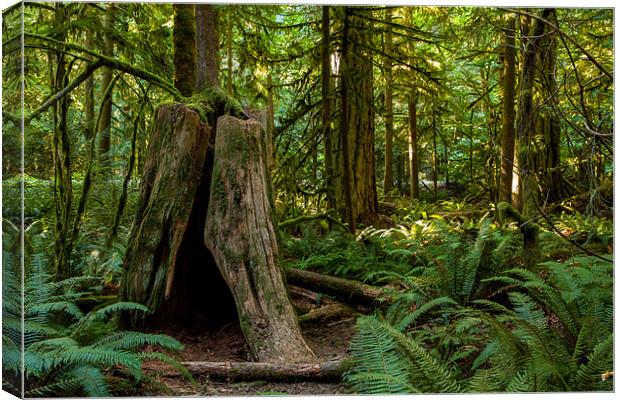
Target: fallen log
[342, 289]
[313, 217]
[330, 371]
[327, 313]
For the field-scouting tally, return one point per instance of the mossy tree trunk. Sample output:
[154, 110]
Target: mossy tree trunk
[357, 195]
[413, 144]
[166, 266]
[388, 179]
[508, 115]
[183, 37]
[241, 235]
[62, 153]
[105, 119]
[550, 158]
[207, 46]
[326, 103]
[526, 119]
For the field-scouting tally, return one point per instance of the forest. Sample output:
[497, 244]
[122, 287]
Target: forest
[227, 199]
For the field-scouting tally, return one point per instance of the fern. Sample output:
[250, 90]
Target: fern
[378, 367]
[67, 352]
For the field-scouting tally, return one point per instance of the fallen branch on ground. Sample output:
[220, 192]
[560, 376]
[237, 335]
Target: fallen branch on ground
[313, 217]
[330, 371]
[327, 313]
[343, 289]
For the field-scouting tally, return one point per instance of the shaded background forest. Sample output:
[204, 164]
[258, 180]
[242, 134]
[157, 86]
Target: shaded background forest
[478, 145]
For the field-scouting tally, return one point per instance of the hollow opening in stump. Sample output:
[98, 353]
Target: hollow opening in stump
[200, 297]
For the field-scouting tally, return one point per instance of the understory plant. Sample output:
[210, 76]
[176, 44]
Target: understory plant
[68, 351]
[471, 320]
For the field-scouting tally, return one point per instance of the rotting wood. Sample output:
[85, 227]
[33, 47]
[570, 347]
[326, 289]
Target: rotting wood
[327, 313]
[328, 371]
[243, 242]
[343, 289]
[169, 183]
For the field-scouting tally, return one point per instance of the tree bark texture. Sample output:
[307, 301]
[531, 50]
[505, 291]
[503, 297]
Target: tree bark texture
[551, 173]
[413, 145]
[207, 46]
[508, 115]
[326, 102]
[388, 178]
[105, 119]
[356, 155]
[241, 235]
[89, 93]
[183, 36]
[62, 156]
[161, 245]
[526, 129]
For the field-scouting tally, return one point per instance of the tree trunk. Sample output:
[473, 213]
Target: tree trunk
[357, 124]
[207, 46]
[435, 162]
[552, 173]
[166, 266]
[62, 155]
[184, 48]
[526, 120]
[243, 241]
[326, 102]
[229, 56]
[508, 116]
[105, 119]
[389, 113]
[344, 190]
[413, 145]
[89, 93]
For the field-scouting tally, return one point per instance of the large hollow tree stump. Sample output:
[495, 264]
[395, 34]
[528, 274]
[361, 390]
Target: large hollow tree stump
[240, 233]
[166, 266]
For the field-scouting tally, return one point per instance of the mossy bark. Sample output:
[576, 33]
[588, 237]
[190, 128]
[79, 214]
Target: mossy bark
[508, 115]
[105, 119]
[166, 266]
[62, 156]
[389, 112]
[356, 197]
[184, 48]
[241, 235]
[207, 46]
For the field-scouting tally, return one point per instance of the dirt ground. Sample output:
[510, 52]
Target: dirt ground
[329, 340]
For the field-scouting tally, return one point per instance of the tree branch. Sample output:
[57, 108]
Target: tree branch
[113, 63]
[565, 35]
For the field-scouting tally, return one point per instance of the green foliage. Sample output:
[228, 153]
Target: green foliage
[69, 352]
[512, 329]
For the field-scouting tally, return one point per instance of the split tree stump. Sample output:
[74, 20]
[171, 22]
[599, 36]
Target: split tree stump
[240, 233]
[167, 266]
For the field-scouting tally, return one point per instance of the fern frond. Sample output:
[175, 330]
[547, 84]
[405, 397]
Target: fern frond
[374, 353]
[104, 313]
[425, 367]
[133, 340]
[599, 361]
[67, 307]
[527, 310]
[379, 383]
[413, 317]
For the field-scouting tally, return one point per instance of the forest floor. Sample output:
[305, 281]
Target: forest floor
[329, 341]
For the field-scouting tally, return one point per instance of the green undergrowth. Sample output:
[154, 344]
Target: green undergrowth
[71, 347]
[468, 315]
